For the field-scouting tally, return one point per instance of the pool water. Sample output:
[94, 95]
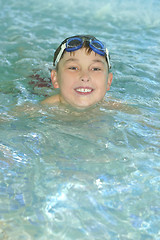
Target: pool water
[88, 175]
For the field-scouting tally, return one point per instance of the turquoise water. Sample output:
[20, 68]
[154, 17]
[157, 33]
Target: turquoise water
[88, 175]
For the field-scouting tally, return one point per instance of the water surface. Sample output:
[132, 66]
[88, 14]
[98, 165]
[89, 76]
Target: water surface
[79, 175]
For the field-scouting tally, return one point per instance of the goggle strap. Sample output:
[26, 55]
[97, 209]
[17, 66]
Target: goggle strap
[107, 56]
[63, 47]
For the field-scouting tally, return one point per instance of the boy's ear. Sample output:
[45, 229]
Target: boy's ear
[110, 77]
[54, 79]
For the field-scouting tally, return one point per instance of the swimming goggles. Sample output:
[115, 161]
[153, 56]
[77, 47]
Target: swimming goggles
[75, 43]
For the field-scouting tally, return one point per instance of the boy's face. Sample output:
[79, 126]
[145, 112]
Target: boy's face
[83, 78]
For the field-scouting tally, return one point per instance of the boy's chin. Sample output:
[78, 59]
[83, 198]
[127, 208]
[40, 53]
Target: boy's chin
[81, 108]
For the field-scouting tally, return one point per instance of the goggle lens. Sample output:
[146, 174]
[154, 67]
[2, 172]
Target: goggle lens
[73, 44]
[98, 45]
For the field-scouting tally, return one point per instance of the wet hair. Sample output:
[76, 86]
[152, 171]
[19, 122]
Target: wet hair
[85, 45]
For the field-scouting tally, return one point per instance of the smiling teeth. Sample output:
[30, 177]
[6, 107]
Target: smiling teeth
[83, 90]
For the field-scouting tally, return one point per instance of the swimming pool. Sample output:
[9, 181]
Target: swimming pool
[79, 175]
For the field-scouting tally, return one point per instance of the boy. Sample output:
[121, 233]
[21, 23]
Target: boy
[81, 72]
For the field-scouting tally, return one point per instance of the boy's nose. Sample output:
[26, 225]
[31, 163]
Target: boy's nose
[85, 77]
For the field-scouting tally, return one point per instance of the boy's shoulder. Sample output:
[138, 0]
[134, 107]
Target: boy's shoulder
[51, 100]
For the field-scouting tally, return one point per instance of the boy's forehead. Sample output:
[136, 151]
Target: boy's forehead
[83, 54]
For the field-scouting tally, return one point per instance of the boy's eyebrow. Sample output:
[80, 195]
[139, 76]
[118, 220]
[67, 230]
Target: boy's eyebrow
[71, 60]
[98, 60]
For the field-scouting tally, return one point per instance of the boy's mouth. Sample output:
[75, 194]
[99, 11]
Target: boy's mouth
[84, 90]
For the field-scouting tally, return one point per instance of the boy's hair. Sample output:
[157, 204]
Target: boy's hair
[85, 45]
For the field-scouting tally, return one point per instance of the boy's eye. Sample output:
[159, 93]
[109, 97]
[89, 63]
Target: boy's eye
[73, 68]
[96, 69]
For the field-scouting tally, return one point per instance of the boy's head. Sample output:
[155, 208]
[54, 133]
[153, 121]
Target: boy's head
[90, 43]
[82, 71]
